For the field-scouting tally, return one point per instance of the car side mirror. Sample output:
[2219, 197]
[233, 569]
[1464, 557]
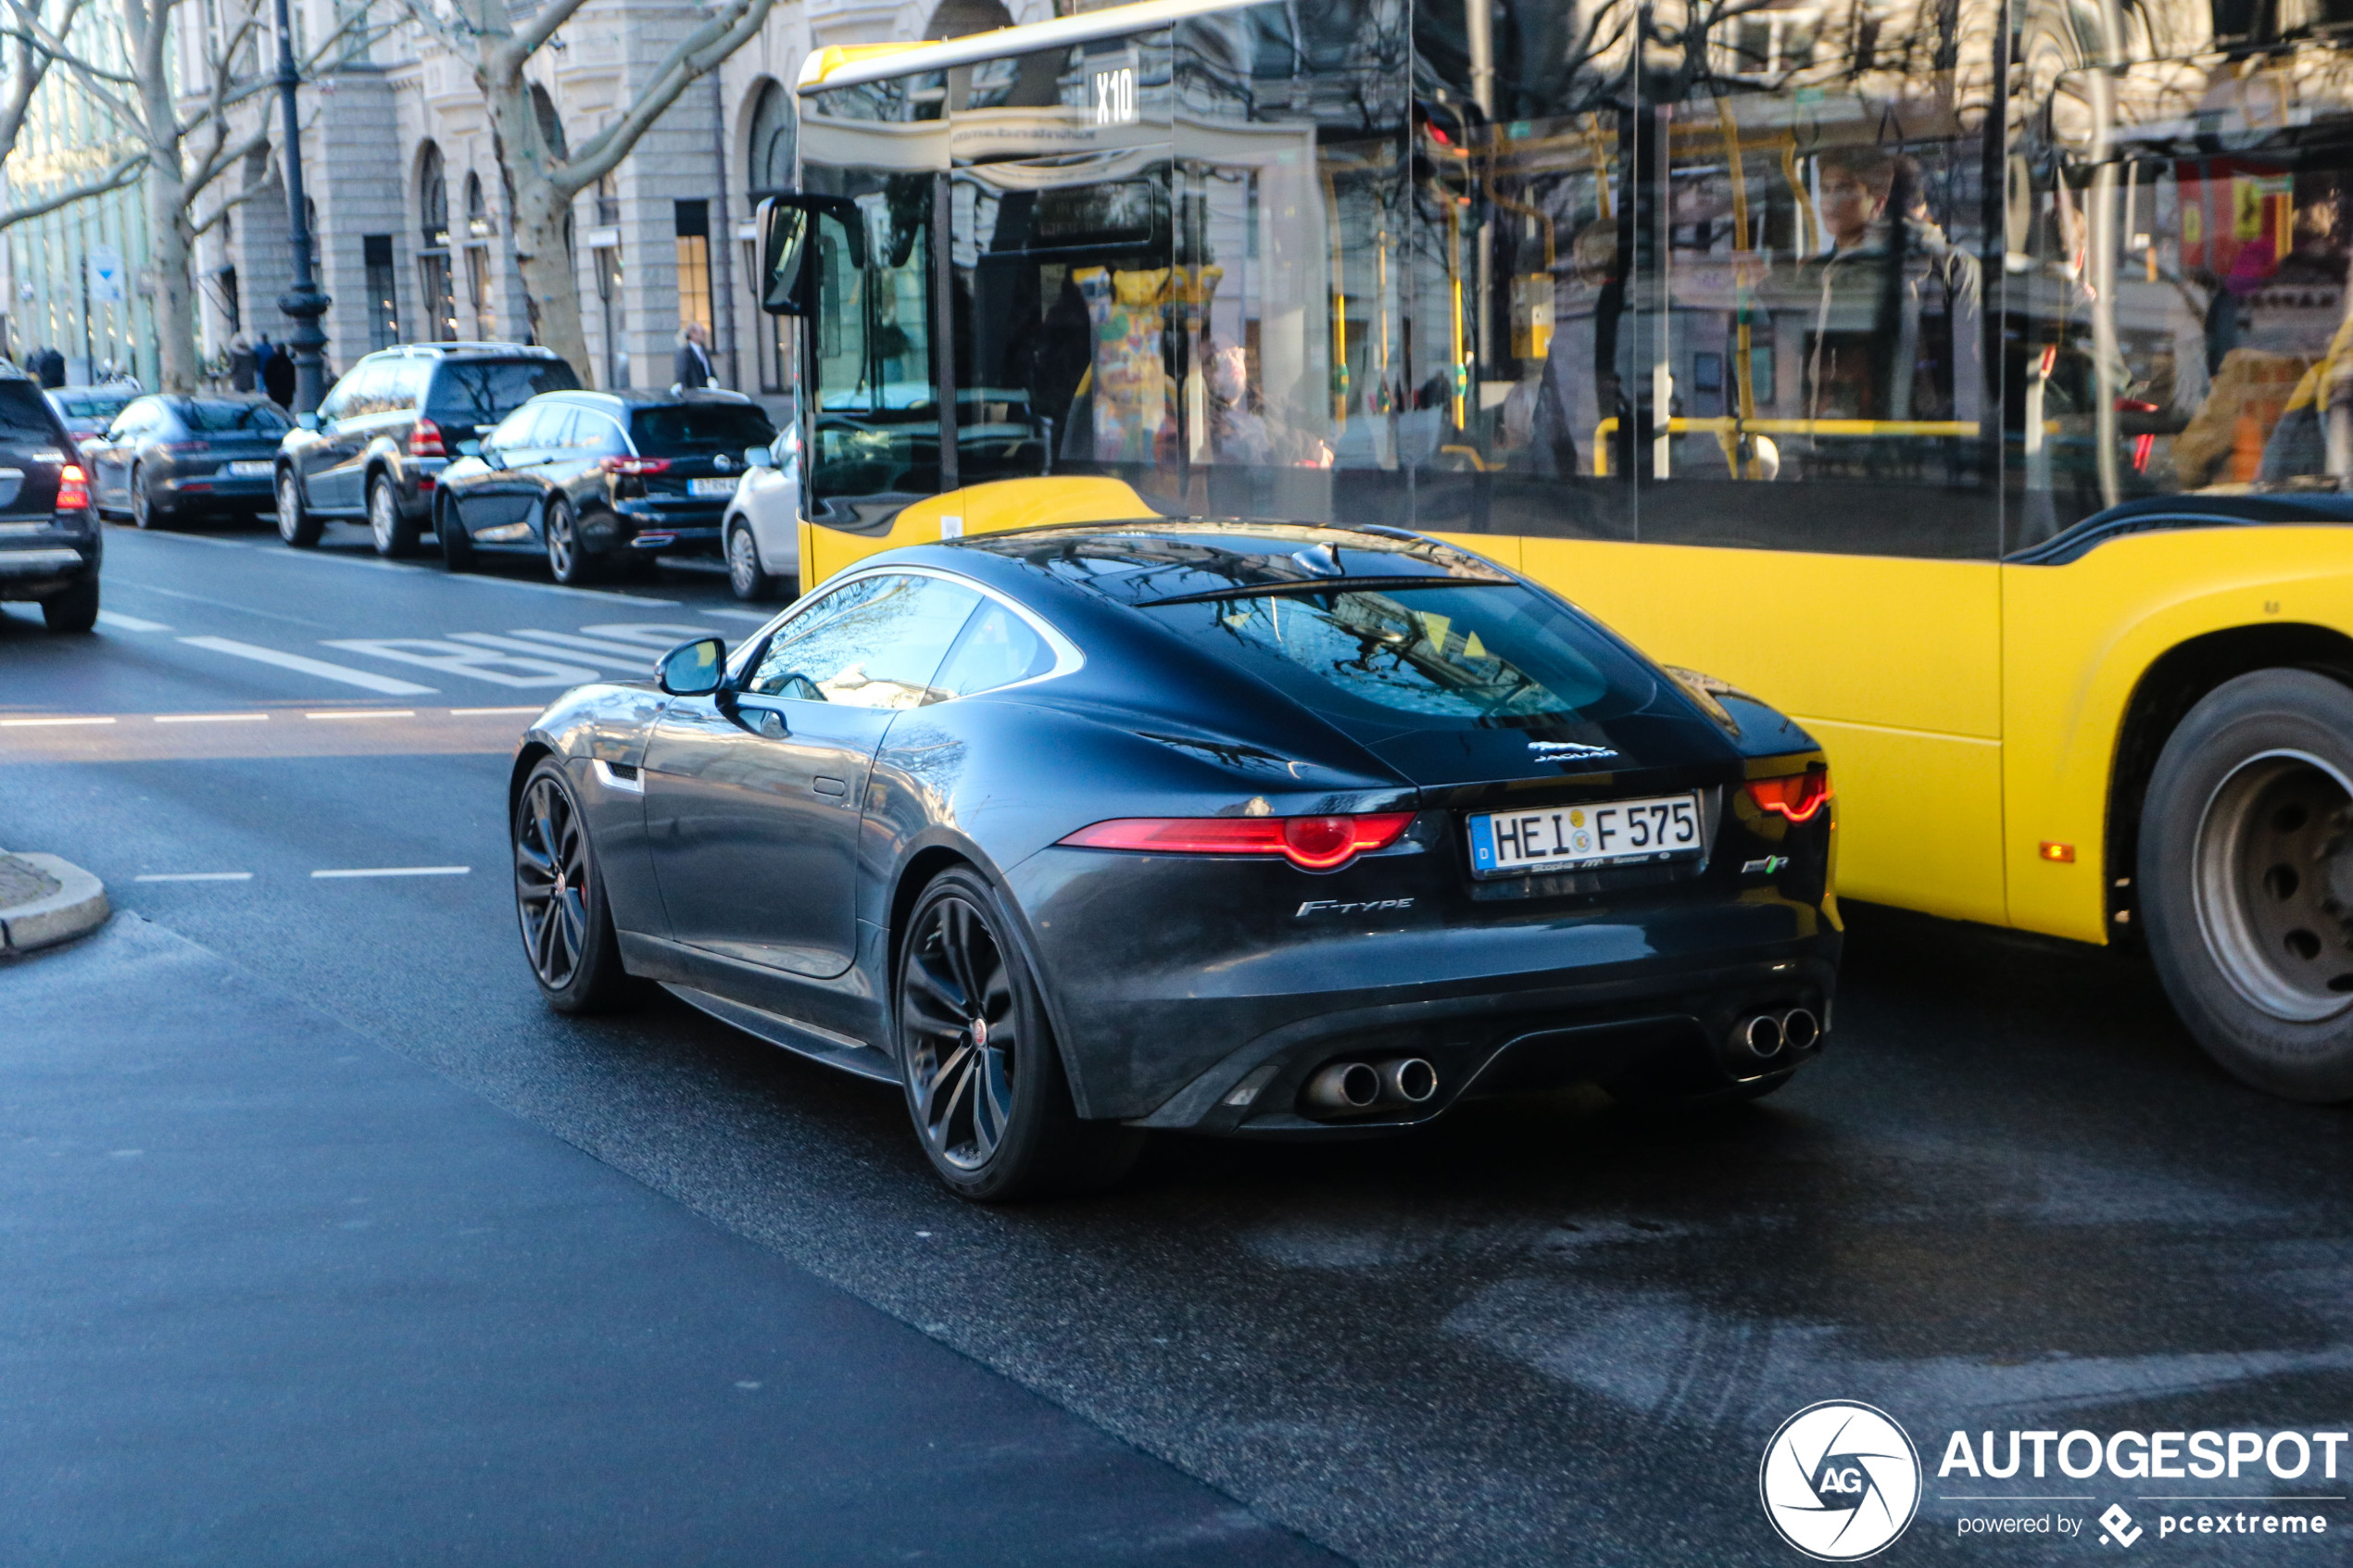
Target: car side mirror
[491, 455]
[308, 421]
[758, 457]
[470, 449]
[693, 669]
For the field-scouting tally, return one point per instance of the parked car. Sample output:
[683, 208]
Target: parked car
[601, 480]
[761, 528]
[1249, 829]
[375, 449]
[165, 458]
[50, 544]
[88, 410]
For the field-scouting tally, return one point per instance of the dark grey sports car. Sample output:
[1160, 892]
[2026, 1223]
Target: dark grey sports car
[1238, 828]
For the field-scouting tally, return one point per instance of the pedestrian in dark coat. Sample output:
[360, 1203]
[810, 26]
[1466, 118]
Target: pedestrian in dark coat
[693, 368]
[241, 368]
[278, 379]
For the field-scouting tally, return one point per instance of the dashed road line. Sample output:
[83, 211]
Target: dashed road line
[367, 714]
[395, 871]
[366, 680]
[472, 712]
[209, 718]
[51, 723]
[194, 876]
[115, 620]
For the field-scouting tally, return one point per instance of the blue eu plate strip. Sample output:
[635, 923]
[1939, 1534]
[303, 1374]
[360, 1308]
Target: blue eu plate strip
[1482, 844]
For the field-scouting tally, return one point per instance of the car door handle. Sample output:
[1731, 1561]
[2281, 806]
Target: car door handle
[831, 786]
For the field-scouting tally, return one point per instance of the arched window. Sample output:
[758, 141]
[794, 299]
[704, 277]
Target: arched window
[433, 254]
[772, 142]
[478, 231]
[551, 125]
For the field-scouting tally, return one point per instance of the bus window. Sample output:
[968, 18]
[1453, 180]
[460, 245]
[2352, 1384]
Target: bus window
[2181, 322]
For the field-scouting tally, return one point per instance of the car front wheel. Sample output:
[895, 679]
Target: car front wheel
[749, 580]
[560, 898]
[2246, 879]
[145, 513]
[983, 1078]
[296, 523]
[449, 533]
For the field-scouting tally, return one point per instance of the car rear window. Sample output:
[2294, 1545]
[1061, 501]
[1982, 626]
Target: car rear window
[23, 416]
[676, 427]
[483, 392]
[1381, 660]
[221, 415]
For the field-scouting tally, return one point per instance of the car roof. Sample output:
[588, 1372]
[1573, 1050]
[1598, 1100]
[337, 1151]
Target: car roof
[469, 349]
[1152, 559]
[643, 397]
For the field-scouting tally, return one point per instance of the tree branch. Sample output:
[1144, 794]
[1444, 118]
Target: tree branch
[697, 55]
[123, 173]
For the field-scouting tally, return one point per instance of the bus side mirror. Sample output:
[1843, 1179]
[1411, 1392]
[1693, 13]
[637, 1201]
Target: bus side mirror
[789, 249]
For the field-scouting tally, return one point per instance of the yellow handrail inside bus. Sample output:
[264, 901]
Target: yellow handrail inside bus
[1734, 427]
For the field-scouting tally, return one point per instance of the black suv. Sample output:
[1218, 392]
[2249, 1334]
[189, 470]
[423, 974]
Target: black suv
[49, 541]
[375, 449]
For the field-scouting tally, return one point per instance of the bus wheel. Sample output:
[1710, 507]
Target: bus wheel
[2246, 879]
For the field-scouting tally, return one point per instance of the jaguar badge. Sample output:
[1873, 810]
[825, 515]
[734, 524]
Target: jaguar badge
[1569, 751]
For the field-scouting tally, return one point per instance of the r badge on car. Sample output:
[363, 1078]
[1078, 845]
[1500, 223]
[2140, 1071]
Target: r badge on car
[1569, 751]
[1765, 867]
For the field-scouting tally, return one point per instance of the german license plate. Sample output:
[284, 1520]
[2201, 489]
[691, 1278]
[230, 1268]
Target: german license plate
[258, 468]
[711, 487]
[1610, 833]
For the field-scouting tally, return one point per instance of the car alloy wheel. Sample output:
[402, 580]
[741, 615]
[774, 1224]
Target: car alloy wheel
[2273, 884]
[744, 573]
[560, 899]
[566, 561]
[962, 1035]
[143, 505]
[383, 518]
[295, 525]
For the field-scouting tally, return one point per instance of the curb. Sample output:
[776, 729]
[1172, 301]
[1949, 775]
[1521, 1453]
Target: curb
[56, 901]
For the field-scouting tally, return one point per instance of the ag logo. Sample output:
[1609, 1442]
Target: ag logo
[1840, 1481]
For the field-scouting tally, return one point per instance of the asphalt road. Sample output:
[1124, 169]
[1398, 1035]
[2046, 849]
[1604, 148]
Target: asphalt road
[2012, 1194]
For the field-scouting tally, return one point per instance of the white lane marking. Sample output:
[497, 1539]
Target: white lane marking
[222, 604]
[603, 653]
[116, 620]
[469, 712]
[194, 876]
[654, 636]
[397, 870]
[212, 718]
[367, 714]
[739, 615]
[48, 723]
[200, 539]
[472, 579]
[366, 680]
[457, 659]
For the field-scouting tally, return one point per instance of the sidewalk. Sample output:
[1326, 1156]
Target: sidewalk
[276, 1295]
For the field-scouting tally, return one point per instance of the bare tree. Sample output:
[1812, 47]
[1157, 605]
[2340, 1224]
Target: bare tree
[28, 67]
[544, 180]
[188, 135]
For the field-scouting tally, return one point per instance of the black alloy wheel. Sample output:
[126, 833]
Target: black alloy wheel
[984, 1080]
[748, 580]
[456, 546]
[560, 897]
[144, 512]
[394, 530]
[568, 562]
[2245, 879]
[297, 524]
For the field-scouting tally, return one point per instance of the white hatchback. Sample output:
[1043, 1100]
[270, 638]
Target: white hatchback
[762, 529]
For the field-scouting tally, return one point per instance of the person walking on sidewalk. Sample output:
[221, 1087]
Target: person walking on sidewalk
[693, 370]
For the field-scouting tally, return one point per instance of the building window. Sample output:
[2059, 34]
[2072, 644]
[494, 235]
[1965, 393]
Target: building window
[607, 270]
[432, 256]
[384, 309]
[694, 264]
[479, 230]
[607, 202]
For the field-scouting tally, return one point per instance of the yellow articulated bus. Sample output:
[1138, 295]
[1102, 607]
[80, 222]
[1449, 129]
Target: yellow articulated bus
[1976, 387]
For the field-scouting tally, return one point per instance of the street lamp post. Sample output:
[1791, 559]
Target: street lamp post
[303, 302]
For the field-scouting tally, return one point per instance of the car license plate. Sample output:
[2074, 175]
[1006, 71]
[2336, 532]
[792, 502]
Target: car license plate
[711, 487]
[256, 468]
[1606, 832]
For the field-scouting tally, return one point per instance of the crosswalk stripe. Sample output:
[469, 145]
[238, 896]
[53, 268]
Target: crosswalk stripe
[569, 647]
[364, 678]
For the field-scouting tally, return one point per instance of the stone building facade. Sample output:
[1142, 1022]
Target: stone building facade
[409, 210]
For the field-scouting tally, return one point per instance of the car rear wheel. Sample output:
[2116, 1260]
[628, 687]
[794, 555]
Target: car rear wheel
[983, 1077]
[296, 525]
[145, 512]
[395, 531]
[2245, 876]
[750, 581]
[560, 898]
[457, 545]
[76, 609]
[567, 562]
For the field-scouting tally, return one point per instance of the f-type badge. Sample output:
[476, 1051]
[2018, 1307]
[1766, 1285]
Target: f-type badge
[1569, 751]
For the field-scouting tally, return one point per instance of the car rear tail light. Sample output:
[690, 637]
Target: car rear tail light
[424, 440]
[1797, 796]
[634, 468]
[1315, 843]
[73, 489]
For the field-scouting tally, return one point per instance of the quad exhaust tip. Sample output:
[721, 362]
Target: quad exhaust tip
[1349, 1088]
[1764, 1036]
